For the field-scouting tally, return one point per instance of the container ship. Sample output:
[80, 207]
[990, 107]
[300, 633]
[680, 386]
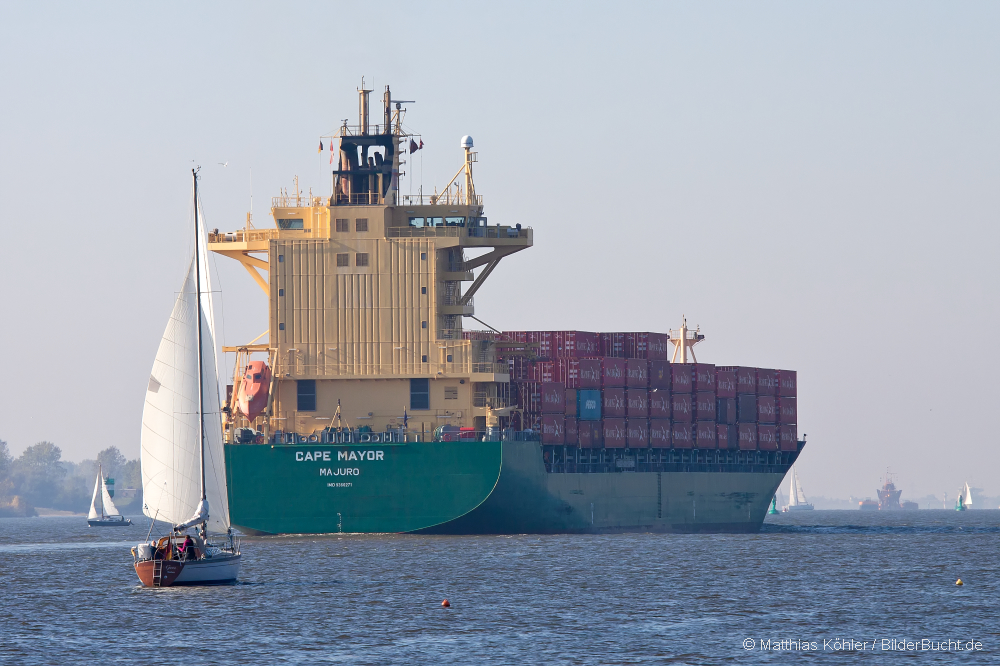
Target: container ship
[373, 409]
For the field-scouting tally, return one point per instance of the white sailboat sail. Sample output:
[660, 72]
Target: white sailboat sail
[170, 454]
[968, 496]
[109, 507]
[800, 497]
[793, 495]
[95, 510]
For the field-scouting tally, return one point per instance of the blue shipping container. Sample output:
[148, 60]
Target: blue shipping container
[588, 404]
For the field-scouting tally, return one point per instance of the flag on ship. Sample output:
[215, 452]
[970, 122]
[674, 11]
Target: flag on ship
[321, 146]
[414, 147]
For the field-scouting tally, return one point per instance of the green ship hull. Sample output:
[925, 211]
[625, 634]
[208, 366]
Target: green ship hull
[488, 487]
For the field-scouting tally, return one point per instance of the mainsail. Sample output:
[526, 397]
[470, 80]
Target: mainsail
[95, 512]
[793, 495]
[968, 496]
[109, 507]
[170, 454]
[800, 497]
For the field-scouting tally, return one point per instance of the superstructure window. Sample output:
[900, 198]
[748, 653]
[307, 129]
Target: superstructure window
[416, 222]
[423, 324]
[423, 290]
[291, 223]
[281, 292]
[343, 225]
[449, 358]
[423, 359]
[454, 221]
[423, 256]
[420, 394]
[343, 260]
[281, 258]
[281, 327]
[306, 395]
[362, 259]
[361, 224]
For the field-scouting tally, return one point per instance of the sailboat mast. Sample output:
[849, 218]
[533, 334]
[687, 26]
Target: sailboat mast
[201, 375]
[100, 477]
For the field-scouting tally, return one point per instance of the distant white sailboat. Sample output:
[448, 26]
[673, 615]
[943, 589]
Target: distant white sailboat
[103, 512]
[968, 496]
[796, 496]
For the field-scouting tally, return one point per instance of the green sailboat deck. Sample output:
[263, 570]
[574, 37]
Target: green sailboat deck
[481, 487]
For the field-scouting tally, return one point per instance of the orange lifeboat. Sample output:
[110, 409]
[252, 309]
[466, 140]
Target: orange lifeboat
[252, 397]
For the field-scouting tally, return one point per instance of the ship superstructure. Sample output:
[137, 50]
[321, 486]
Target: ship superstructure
[368, 289]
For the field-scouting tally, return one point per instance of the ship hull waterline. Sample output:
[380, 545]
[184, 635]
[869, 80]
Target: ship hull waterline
[477, 488]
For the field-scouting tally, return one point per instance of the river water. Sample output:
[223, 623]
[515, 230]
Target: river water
[807, 583]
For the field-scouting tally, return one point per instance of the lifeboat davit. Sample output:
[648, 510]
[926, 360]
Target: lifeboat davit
[252, 397]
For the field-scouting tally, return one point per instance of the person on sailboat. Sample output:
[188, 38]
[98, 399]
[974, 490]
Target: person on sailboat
[187, 548]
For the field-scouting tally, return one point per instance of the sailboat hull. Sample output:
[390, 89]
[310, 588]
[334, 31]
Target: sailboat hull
[168, 573]
[109, 523]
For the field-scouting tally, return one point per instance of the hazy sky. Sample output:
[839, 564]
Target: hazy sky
[815, 184]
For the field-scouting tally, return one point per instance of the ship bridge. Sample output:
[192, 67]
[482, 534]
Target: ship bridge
[368, 290]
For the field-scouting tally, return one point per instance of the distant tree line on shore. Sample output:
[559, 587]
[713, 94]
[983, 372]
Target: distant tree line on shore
[39, 477]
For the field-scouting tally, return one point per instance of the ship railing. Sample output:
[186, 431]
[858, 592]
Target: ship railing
[500, 232]
[296, 201]
[490, 368]
[242, 235]
[488, 435]
[421, 232]
[484, 399]
[448, 198]
[358, 199]
[401, 436]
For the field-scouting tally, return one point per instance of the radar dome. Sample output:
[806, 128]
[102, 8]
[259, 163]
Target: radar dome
[466, 141]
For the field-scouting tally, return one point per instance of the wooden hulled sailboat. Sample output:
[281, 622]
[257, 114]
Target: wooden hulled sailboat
[103, 512]
[183, 469]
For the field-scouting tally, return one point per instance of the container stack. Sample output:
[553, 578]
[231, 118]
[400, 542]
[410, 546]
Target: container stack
[618, 390]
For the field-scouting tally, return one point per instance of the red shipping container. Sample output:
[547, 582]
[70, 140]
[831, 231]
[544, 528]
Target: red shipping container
[681, 435]
[704, 376]
[638, 433]
[572, 432]
[787, 410]
[746, 381]
[514, 336]
[767, 409]
[637, 372]
[727, 436]
[637, 403]
[680, 378]
[681, 407]
[767, 382]
[585, 431]
[767, 437]
[553, 398]
[659, 374]
[614, 402]
[659, 345]
[576, 344]
[725, 383]
[613, 372]
[787, 438]
[544, 341]
[613, 345]
[542, 371]
[590, 373]
[567, 371]
[570, 402]
[659, 433]
[519, 369]
[748, 436]
[529, 396]
[615, 434]
[787, 383]
[659, 404]
[705, 435]
[553, 429]
[704, 406]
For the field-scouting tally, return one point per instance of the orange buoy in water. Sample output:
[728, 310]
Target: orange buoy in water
[446, 604]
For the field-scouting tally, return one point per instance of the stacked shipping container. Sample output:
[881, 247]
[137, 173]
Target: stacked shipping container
[617, 390]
